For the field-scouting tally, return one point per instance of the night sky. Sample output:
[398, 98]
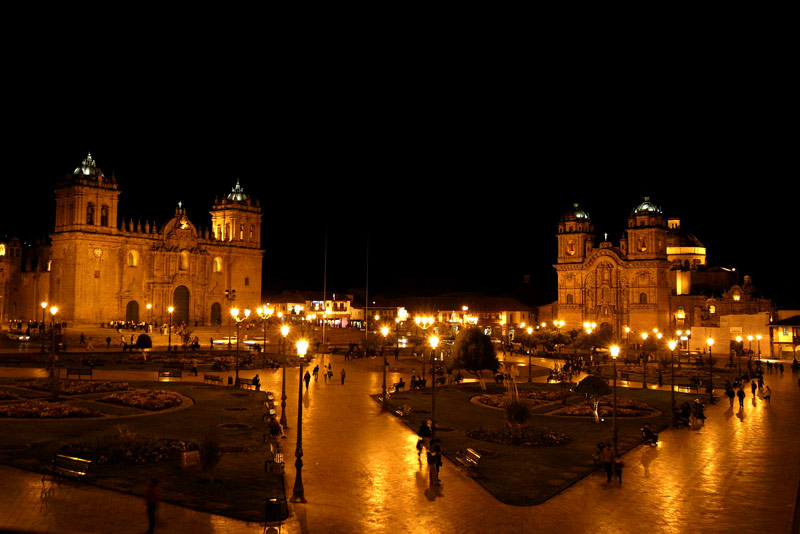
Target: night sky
[458, 194]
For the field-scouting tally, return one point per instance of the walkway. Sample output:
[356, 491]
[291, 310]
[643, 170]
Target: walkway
[361, 474]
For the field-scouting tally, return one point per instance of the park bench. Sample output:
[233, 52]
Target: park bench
[398, 386]
[469, 458]
[169, 374]
[11, 361]
[246, 383]
[69, 467]
[625, 376]
[212, 378]
[79, 373]
[403, 411]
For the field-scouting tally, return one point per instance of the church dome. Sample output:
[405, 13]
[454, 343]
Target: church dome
[575, 214]
[646, 207]
[237, 194]
[677, 237]
[88, 169]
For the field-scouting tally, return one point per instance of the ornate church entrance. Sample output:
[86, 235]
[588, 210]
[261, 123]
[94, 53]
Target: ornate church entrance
[216, 314]
[180, 301]
[132, 311]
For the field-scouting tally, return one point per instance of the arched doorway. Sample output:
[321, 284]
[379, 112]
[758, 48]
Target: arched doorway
[216, 314]
[132, 311]
[180, 301]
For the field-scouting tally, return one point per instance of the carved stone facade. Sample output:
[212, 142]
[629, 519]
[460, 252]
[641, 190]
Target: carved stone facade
[101, 272]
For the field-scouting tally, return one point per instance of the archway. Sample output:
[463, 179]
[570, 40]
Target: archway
[132, 311]
[216, 314]
[180, 301]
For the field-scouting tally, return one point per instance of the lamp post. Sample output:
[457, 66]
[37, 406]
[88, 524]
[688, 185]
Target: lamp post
[385, 332]
[627, 341]
[149, 316]
[434, 341]
[53, 312]
[739, 354]
[235, 317]
[644, 361]
[42, 329]
[424, 323]
[284, 333]
[298, 493]
[758, 337]
[672, 345]
[614, 432]
[265, 313]
[710, 343]
[530, 375]
[169, 339]
[749, 352]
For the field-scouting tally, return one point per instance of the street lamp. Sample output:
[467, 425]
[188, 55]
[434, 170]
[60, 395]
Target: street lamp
[42, 328]
[758, 337]
[169, 339]
[739, 354]
[434, 341]
[298, 493]
[424, 323]
[530, 331]
[53, 312]
[385, 332]
[235, 317]
[672, 344]
[149, 314]
[710, 343]
[644, 361]
[614, 353]
[265, 313]
[284, 333]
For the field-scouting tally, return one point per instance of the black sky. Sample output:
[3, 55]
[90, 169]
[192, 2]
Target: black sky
[452, 190]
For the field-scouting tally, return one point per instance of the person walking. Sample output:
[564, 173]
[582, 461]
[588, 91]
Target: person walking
[434, 461]
[741, 396]
[275, 434]
[607, 456]
[618, 465]
[753, 387]
[316, 373]
[424, 434]
[152, 497]
[729, 392]
[767, 394]
[307, 378]
[342, 374]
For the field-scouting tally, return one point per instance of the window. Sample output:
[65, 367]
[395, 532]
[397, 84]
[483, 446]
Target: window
[252, 232]
[241, 232]
[217, 268]
[712, 309]
[2, 249]
[104, 216]
[570, 299]
[227, 234]
[184, 261]
[642, 298]
[246, 281]
[90, 213]
[133, 258]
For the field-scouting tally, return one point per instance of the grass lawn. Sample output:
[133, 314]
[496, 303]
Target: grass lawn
[529, 475]
[240, 481]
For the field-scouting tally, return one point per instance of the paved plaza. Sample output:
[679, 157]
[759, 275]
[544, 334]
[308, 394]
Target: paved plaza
[739, 472]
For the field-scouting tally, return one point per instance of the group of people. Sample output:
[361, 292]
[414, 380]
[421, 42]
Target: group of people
[612, 463]
[433, 446]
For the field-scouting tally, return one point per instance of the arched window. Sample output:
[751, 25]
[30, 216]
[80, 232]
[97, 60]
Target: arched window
[90, 213]
[217, 265]
[252, 232]
[642, 298]
[2, 249]
[227, 235]
[570, 298]
[103, 215]
[184, 263]
[241, 232]
[133, 258]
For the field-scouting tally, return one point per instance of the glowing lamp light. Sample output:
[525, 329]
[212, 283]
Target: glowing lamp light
[385, 331]
[53, 310]
[434, 341]
[614, 351]
[672, 344]
[302, 348]
[285, 330]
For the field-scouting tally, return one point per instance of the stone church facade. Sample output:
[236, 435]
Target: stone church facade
[98, 271]
[656, 277]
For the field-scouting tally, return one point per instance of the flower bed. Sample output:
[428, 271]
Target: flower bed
[157, 399]
[44, 410]
[527, 437]
[74, 387]
[533, 397]
[625, 408]
[125, 447]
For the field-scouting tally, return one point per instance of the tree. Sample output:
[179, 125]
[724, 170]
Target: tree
[550, 338]
[593, 387]
[517, 414]
[473, 351]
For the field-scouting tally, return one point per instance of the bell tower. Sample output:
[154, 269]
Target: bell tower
[647, 233]
[575, 236]
[87, 200]
[237, 219]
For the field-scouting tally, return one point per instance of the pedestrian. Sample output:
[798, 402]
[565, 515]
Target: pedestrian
[316, 373]
[753, 387]
[275, 433]
[82, 340]
[607, 456]
[90, 346]
[767, 394]
[424, 434]
[729, 392]
[307, 378]
[618, 465]
[434, 461]
[194, 366]
[108, 342]
[342, 375]
[152, 498]
[781, 368]
[741, 396]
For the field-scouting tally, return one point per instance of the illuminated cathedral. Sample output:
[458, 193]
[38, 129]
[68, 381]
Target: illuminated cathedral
[97, 269]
